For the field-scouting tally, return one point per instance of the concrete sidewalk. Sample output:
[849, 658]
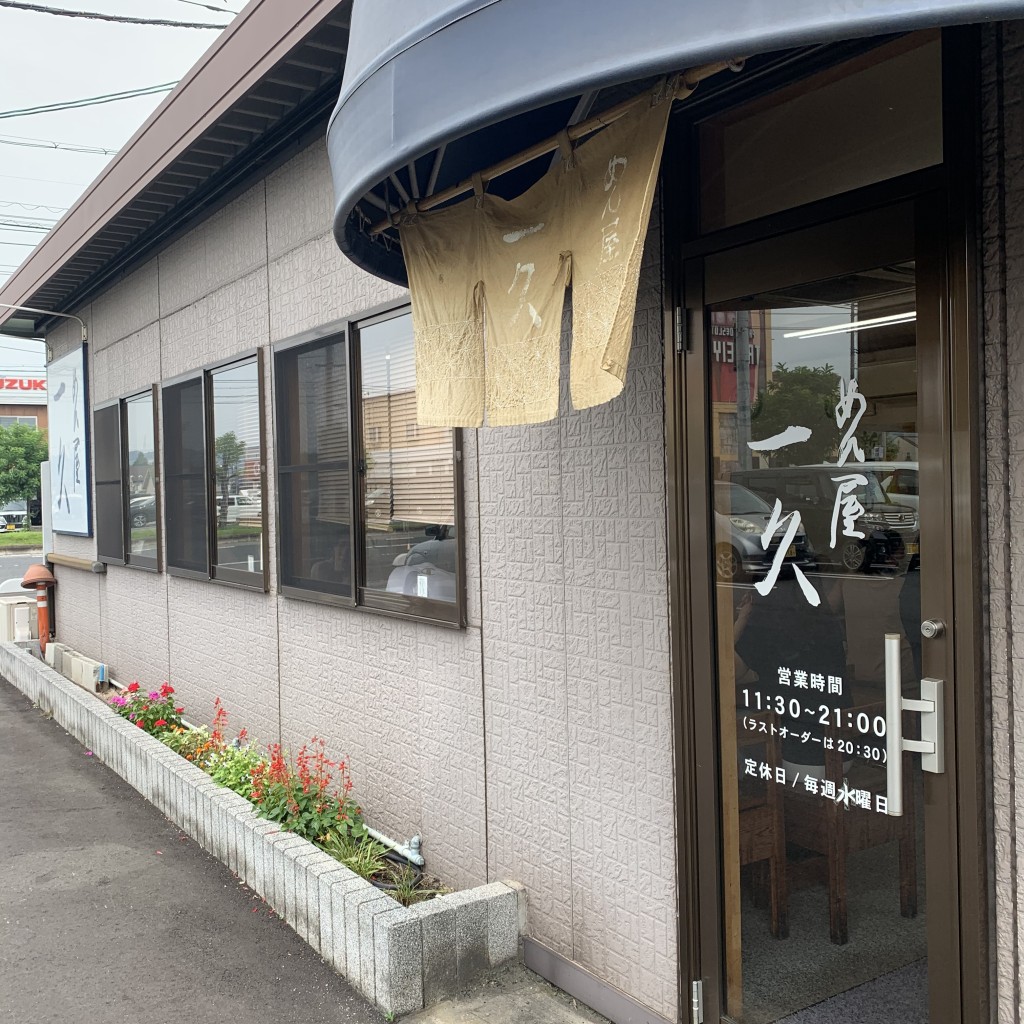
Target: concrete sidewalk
[511, 995]
[109, 913]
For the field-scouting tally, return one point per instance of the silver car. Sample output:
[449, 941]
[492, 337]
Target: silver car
[741, 518]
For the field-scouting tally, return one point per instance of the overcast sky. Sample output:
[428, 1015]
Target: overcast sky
[51, 59]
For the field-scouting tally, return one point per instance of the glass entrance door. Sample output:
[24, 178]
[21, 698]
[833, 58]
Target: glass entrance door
[816, 439]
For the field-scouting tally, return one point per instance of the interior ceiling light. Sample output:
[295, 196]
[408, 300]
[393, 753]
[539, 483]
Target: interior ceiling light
[854, 325]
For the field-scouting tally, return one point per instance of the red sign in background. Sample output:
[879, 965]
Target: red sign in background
[723, 355]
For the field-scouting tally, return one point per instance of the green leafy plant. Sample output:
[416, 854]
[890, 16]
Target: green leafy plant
[22, 449]
[232, 766]
[361, 854]
[368, 858]
[153, 711]
[408, 886]
[191, 744]
[311, 798]
[202, 746]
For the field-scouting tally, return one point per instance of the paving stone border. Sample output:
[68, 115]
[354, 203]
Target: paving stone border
[401, 958]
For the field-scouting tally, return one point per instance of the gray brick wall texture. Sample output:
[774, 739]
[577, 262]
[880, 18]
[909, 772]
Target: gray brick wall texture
[576, 665]
[1002, 456]
[504, 745]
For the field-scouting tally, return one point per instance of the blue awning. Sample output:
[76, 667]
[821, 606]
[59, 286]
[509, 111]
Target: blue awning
[430, 97]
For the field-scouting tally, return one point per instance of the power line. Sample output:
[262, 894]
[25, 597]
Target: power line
[86, 101]
[209, 7]
[20, 225]
[48, 181]
[18, 140]
[34, 218]
[33, 206]
[20, 218]
[37, 9]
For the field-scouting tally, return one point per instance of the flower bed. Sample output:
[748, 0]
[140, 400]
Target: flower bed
[401, 958]
[309, 796]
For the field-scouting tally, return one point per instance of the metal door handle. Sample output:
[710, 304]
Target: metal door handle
[931, 744]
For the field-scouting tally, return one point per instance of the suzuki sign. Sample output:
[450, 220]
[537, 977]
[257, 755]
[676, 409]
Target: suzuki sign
[23, 390]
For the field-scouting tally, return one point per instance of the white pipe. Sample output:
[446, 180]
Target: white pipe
[410, 850]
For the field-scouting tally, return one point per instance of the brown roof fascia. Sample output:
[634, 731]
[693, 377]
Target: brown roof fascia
[259, 37]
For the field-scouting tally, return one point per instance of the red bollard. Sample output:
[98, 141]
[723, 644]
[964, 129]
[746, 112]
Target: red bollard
[41, 578]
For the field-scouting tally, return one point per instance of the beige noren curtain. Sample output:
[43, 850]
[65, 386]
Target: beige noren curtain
[488, 279]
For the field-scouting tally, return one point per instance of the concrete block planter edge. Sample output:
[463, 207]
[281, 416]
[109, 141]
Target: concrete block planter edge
[400, 958]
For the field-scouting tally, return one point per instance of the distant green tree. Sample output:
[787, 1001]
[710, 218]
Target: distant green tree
[804, 396]
[22, 449]
[871, 439]
[229, 455]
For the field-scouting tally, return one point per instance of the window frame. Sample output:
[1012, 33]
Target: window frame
[105, 557]
[241, 578]
[187, 378]
[451, 615]
[294, 347]
[144, 563]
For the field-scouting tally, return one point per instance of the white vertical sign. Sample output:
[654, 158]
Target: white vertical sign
[68, 411]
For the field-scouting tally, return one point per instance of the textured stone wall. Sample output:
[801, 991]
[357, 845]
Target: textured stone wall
[1003, 460]
[576, 666]
[536, 743]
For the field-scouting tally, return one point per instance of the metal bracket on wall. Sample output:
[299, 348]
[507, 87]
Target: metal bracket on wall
[697, 1002]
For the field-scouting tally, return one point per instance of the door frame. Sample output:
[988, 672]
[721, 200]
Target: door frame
[947, 203]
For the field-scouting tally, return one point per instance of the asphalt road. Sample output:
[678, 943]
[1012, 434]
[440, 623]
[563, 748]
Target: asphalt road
[15, 564]
[110, 914]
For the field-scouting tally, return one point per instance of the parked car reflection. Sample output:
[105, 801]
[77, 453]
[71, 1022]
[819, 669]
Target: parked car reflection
[890, 529]
[741, 518]
[898, 480]
[142, 510]
[428, 569]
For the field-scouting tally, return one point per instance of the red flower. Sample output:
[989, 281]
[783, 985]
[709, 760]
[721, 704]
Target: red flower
[179, 710]
[140, 724]
[159, 722]
[132, 687]
[166, 690]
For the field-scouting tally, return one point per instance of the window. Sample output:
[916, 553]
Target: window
[185, 478]
[12, 421]
[213, 452]
[790, 147]
[110, 529]
[409, 545]
[373, 525]
[140, 479]
[127, 520]
[315, 468]
[237, 553]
